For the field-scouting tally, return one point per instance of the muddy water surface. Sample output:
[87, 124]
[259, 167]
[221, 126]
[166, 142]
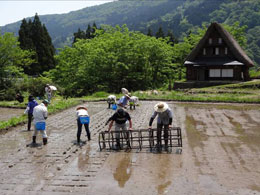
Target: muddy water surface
[221, 155]
[8, 113]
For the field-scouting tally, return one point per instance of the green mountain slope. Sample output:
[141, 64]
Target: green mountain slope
[177, 15]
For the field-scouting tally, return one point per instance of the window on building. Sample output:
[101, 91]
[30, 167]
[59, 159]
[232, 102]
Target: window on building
[204, 51]
[214, 73]
[216, 51]
[227, 72]
[210, 40]
[226, 50]
[219, 40]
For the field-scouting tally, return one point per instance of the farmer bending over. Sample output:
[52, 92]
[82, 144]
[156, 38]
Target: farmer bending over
[120, 117]
[164, 120]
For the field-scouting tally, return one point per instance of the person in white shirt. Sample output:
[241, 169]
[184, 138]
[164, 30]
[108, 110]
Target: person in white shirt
[48, 92]
[111, 99]
[82, 112]
[40, 114]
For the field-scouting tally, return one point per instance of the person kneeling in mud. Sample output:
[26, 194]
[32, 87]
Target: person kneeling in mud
[120, 117]
[82, 119]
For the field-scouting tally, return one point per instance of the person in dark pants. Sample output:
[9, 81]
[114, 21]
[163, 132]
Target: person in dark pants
[164, 121]
[82, 112]
[120, 117]
[29, 110]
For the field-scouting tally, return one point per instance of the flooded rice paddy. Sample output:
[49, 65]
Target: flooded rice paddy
[8, 113]
[221, 155]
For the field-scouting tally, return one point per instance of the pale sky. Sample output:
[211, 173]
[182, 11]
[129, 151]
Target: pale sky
[13, 11]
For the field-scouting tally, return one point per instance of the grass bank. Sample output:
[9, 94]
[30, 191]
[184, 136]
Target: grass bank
[244, 92]
[58, 104]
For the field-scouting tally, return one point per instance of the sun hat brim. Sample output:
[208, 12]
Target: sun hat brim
[81, 107]
[165, 107]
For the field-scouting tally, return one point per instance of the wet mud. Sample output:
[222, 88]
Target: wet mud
[8, 113]
[220, 155]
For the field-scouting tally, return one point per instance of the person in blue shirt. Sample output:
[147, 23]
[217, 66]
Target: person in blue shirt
[29, 110]
[123, 101]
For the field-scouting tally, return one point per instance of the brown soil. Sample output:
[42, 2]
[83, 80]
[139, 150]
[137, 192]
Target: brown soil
[221, 155]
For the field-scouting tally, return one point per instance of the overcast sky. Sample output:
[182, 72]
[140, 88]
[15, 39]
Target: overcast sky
[13, 11]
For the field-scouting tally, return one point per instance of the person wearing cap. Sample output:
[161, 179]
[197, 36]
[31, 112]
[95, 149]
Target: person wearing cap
[120, 117]
[29, 110]
[40, 114]
[82, 112]
[164, 120]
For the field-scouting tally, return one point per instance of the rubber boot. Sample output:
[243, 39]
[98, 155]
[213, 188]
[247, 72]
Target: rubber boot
[34, 139]
[78, 140]
[44, 140]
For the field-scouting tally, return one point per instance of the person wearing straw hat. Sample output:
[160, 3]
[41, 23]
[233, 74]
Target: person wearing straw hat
[40, 114]
[48, 92]
[164, 120]
[82, 112]
[123, 101]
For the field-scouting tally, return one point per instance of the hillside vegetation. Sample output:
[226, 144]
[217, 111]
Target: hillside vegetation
[180, 16]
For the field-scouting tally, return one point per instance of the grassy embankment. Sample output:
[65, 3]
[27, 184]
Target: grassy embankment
[57, 104]
[246, 92]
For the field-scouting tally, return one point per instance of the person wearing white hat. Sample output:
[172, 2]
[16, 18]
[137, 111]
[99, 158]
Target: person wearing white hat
[111, 99]
[164, 120]
[48, 92]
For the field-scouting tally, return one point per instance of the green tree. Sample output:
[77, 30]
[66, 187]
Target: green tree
[171, 38]
[116, 58]
[12, 61]
[79, 35]
[160, 33]
[35, 37]
[149, 33]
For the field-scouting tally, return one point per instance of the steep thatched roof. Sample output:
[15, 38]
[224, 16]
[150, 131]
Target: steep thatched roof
[232, 44]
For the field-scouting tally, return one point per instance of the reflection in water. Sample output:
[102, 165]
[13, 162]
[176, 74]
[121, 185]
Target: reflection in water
[164, 173]
[162, 188]
[123, 171]
[82, 161]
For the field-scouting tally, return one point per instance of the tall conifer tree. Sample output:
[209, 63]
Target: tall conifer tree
[34, 36]
[160, 33]
[149, 33]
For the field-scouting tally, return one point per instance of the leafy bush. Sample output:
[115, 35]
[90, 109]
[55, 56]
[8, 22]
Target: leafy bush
[36, 86]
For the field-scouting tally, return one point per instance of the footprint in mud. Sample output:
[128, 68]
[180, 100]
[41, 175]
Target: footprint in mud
[34, 145]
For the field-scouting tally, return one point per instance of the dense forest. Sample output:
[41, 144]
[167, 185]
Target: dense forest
[179, 16]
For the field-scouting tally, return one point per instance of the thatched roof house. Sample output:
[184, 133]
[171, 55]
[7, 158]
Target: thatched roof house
[217, 56]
